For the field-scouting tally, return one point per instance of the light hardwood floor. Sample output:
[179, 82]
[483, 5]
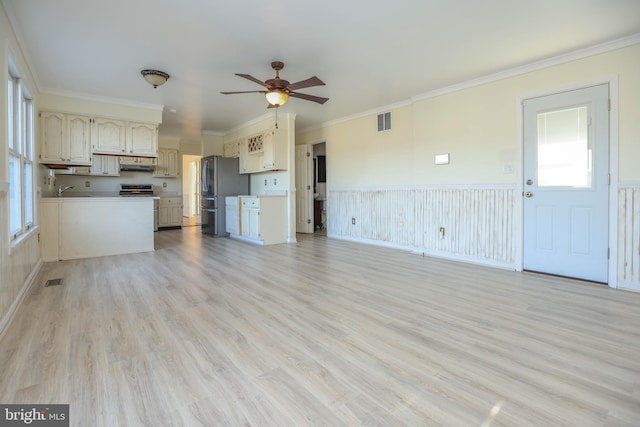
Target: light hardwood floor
[212, 332]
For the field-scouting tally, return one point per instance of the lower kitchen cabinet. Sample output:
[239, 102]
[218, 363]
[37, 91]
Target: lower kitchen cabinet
[263, 219]
[170, 212]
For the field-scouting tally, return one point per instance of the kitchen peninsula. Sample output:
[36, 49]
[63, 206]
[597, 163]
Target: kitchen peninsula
[85, 226]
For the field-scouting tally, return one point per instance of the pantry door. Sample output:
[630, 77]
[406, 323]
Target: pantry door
[566, 184]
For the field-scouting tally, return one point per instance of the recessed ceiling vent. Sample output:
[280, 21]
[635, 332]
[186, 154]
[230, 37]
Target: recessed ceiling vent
[384, 122]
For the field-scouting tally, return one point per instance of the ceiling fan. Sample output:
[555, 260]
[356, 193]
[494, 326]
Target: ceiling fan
[279, 90]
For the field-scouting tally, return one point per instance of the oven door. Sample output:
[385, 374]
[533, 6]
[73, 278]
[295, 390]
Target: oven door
[210, 221]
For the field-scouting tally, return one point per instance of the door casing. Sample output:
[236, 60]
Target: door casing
[612, 81]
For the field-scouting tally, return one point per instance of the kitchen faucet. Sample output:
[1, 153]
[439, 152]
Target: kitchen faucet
[62, 189]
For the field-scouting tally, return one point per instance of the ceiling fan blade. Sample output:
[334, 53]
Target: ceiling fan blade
[244, 91]
[317, 99]
[253, 79]
[311, 81]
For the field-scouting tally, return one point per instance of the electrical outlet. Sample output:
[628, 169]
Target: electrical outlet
[164, 185]
[265, 182]
[275, 181]
[353, 220]
[442, 232]
[87, 183]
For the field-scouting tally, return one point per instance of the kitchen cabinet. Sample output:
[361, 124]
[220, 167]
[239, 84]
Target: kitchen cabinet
[170, 212]
[263, 219]
[85, 227]
[167, 164]
[108, 136]
[274, 152]
[231, 149]
[266, 151]
[232, 215]
[142, 139]
[101, 165]
[65, 139]
[105, 165]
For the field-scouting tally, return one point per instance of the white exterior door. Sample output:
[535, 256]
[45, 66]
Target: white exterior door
[566, 184]
[304, 189]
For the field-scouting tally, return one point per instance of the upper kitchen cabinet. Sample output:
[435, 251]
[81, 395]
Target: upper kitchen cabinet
[266, 151]
[231, 149]
[167, 164]
[65, 139]
[142, 139]
[118, 137]
[108, 136]
[275, 152]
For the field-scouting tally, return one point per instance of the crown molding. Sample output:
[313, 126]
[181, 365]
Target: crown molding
[289, 116]
[534, 66]
[512, 72]
[102, 99]
[373, 111]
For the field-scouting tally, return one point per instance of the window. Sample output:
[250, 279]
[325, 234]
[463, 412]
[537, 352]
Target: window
[20, 134]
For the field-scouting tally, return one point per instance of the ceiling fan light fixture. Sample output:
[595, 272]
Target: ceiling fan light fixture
[277, 98]
[155, 77]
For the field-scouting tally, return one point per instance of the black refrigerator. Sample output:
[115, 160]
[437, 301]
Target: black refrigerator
[220, 178]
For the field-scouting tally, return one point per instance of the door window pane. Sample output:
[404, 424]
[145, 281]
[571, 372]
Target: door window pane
[564, 154]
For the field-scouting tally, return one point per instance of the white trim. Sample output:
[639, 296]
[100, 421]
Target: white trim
[418, 251]
[512, 72]
[427, 187]
[628, 184]
[269, 115]
[613, 187]
[373, 111]
[612, 81]
[8, 317]
[102, 99]
[534, 66]
[626, 286]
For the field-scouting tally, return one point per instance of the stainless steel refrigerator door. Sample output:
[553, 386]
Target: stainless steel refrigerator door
[210, 221]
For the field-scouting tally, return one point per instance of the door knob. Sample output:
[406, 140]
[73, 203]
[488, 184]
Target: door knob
[528, 194]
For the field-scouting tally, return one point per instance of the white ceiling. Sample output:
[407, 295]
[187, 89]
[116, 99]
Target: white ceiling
[370, 53]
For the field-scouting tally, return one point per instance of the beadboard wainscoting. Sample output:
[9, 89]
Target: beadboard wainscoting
[20, 265]
[477, 221]
[629, 236]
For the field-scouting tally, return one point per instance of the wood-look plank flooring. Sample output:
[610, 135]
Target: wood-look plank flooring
[215, 332]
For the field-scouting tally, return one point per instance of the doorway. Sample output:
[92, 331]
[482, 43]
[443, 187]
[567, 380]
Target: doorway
[191, 190]
[311, 188]
[566, 184]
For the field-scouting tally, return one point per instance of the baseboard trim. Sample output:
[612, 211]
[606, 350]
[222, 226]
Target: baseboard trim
[6, 320]
[418, 251]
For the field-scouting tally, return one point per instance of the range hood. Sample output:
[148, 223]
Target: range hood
[139, 168]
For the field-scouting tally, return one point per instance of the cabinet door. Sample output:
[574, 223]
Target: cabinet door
[105, 165]
[245, 226]
[269, 158]
[142, 139]
[79, 139]
[163, 216]
[52, 127]
[254, 223]
[108, 136]
[172, 163]
[176, 215]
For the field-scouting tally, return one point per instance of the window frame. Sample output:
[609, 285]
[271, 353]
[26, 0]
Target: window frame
[21, 152]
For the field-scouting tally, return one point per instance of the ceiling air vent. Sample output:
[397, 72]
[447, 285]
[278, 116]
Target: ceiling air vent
[384, 122]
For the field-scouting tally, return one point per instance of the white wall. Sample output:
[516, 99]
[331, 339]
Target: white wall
[20, 262]
[478, 126]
